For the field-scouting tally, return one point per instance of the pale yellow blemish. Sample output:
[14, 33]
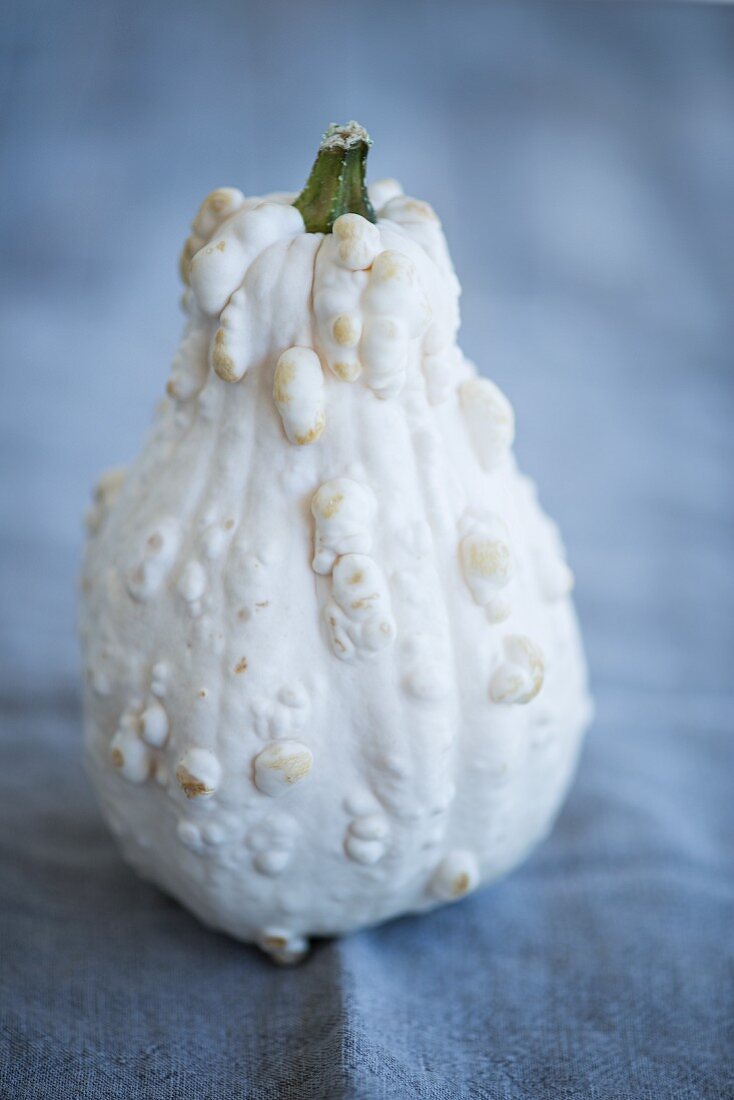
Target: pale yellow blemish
[315, 432]
[422, 209]
[391, 265]
[488, 558]
[513, 686]
[223, 362]
[365, 601]
[348, 372]
[331, 506]
[460, 885]
[335, 641]
[190, 248]
[346, 229]
[535, 667]
[191, 786]
[294, 766]
[285, 374]
[217, 200]
[345, 331]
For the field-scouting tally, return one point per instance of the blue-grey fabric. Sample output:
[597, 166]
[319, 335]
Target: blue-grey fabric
[582, 159]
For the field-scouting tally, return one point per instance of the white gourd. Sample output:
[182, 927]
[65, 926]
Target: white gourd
[333, 669]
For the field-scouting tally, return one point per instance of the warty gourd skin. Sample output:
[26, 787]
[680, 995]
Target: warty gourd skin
[333, 669]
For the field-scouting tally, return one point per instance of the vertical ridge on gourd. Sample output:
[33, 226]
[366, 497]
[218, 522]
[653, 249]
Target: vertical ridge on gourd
[327, 628]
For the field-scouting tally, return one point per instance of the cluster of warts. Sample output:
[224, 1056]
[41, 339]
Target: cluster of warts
[369, 310]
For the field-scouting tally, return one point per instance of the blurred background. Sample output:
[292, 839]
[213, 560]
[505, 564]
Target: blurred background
[581, 158]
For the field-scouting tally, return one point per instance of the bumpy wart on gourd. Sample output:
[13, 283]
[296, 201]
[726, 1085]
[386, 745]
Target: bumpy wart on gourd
[333, 667]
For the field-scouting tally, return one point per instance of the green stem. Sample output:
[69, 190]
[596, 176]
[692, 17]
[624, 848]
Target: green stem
[336, 185]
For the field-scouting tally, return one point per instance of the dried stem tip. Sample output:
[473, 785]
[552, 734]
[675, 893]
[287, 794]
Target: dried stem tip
[336, 185]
